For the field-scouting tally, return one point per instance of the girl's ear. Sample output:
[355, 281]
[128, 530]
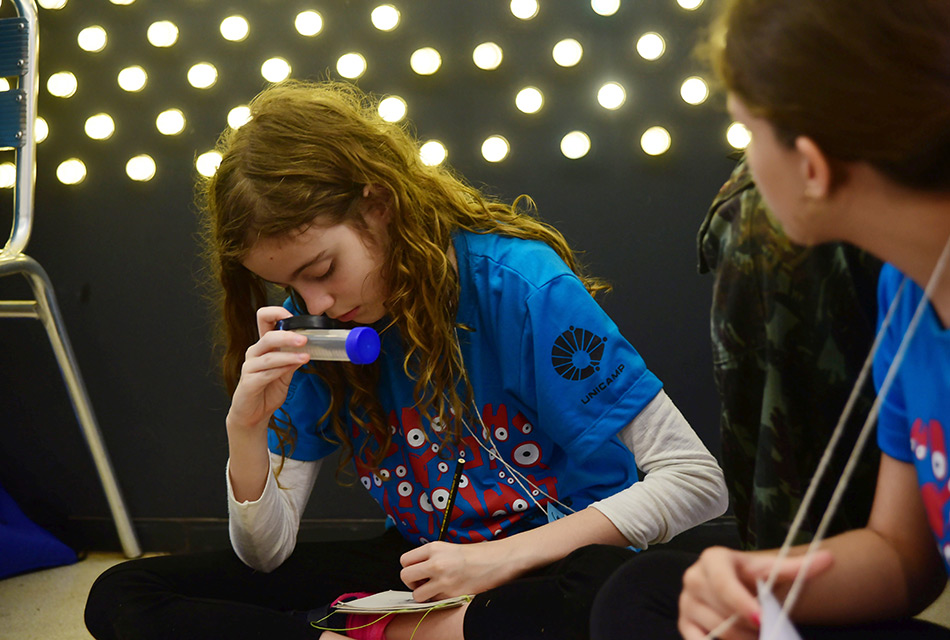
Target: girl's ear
[816, 170]
[377, 202]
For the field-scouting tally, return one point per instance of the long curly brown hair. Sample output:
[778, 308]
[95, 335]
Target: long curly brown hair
[303, 158]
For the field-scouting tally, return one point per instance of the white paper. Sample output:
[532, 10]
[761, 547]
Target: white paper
[395, 601]
[775, 625]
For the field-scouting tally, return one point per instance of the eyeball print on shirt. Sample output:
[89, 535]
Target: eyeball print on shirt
[527, 454]
[416, 438]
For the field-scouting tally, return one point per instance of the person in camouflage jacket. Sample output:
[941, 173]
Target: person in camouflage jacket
[791, 327]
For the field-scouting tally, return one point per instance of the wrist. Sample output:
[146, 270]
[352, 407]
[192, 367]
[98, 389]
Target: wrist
[520, 555]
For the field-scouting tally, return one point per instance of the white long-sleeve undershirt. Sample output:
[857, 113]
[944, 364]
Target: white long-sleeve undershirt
[683, 487]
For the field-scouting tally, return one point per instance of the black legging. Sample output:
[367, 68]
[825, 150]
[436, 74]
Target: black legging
[214, 595]
[641, 601]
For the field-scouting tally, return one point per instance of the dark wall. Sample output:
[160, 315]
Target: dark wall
[124, 256]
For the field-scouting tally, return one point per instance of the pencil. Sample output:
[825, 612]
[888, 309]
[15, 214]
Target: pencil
[453, 492]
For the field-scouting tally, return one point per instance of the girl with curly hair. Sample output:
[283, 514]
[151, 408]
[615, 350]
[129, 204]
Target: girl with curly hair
[493, 352]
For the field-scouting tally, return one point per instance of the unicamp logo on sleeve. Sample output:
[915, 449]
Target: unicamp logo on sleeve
[576, 353]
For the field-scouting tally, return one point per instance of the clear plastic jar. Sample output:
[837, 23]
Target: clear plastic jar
[359, 345]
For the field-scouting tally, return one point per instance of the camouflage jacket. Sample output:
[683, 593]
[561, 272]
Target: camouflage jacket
[791, 327]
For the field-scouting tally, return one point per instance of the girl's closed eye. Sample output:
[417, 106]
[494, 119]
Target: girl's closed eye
[326, 273]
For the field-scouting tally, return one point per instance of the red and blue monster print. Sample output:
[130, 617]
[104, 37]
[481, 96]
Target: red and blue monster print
[413, 480]
[929, 445]
[915, 414]
[553, 381]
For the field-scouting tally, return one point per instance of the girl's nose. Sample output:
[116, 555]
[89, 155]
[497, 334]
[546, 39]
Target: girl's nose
[317, 301]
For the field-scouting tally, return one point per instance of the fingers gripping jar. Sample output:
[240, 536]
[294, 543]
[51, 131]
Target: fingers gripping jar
[324, 342]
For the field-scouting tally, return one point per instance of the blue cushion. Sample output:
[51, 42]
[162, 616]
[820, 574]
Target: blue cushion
[25, 546]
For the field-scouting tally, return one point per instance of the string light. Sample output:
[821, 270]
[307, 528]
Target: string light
[62, 84]
[162, 34]
[690, 5]
[202, 75]
[487, 56]
[235, 28]
[92, 39]
[568, 52]
[605, 7]
[71, 171]
[7, 175]
[529, 100]
[351, 65]
[495, 148]
[100, 126]
[694, 90]
[275, 69]
[170, 122]
[655, 141]
[433, 153]
[40, 129]
[425, 61]
[239, 116]
[385, 17]
[611, 96]
[575, 144]
[132, 78]
[308, 23]
[392, 109]
[141, 168]
[524, 9]
[651, 46]
[207, 163]
[738, 135]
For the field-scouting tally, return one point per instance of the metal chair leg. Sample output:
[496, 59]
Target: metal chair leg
[47, 311]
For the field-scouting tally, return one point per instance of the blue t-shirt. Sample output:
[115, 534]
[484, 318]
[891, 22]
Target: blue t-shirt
[554, 382]
[915, 416]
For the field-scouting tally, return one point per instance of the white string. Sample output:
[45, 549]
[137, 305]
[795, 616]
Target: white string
[823, 463]
[850, 466]
[835, 437]
[494, 452]
[888, 381]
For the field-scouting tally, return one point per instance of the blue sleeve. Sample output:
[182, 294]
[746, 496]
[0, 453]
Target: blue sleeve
[892, 427]
[307, 400]
[585, 379]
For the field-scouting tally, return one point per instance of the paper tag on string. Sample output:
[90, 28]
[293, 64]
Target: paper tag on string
[553, 512]
[775, 624]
